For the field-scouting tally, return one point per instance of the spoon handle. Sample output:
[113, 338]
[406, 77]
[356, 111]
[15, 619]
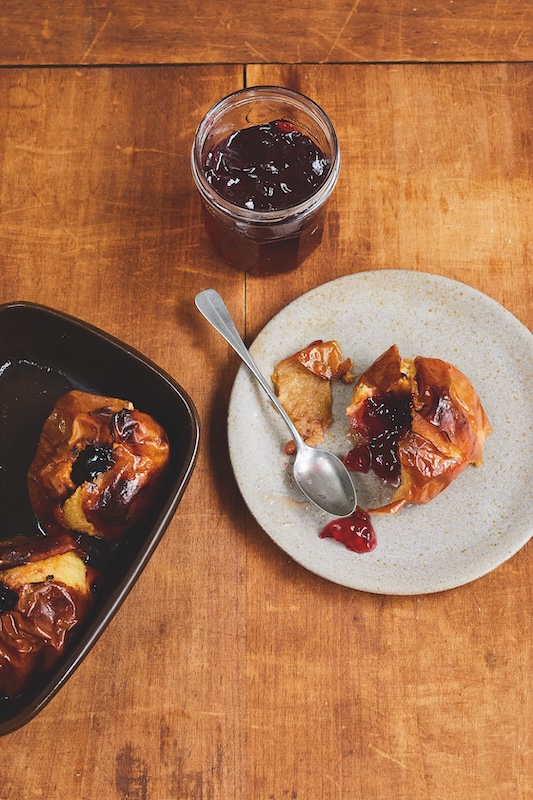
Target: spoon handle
[212, 306]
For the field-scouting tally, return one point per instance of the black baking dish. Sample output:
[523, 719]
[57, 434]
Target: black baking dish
[43, 354]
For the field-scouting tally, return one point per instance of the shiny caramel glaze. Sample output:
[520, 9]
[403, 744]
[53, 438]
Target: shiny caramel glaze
[34, 633]
[25, 549]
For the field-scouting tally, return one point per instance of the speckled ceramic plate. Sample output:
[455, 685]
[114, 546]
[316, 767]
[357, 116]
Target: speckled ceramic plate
[483, 518]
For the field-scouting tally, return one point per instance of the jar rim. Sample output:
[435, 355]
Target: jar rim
[253, 216]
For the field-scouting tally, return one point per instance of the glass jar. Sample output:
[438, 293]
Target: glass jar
[273, 241]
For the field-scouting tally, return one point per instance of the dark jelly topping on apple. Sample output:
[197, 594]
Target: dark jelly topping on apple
[91, 462]
[386, 417]
[266, 167]
[8, 598]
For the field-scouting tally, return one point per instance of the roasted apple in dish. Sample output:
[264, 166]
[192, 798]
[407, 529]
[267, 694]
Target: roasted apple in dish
[97, 466]
[43, 597]
[416, 423]
[303, 385]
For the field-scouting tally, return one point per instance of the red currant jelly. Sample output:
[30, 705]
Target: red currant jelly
[355, 532]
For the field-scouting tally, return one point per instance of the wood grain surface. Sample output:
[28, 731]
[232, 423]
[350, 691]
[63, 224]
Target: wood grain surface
[252, 31]
[437, 168]
[230, 672]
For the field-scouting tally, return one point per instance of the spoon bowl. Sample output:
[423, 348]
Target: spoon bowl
[319, 474]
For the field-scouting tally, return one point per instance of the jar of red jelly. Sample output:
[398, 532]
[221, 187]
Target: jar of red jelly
[265, 161]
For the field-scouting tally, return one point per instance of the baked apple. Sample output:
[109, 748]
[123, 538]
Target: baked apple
[97, 466]
[416, 423]
[303, 385]
[42, 600]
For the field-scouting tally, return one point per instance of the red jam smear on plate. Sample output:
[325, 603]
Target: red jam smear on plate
[356, 532]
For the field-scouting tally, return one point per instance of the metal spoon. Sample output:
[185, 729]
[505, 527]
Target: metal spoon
[321, 476]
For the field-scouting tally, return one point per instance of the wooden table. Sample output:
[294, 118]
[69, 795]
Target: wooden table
[231, 672]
